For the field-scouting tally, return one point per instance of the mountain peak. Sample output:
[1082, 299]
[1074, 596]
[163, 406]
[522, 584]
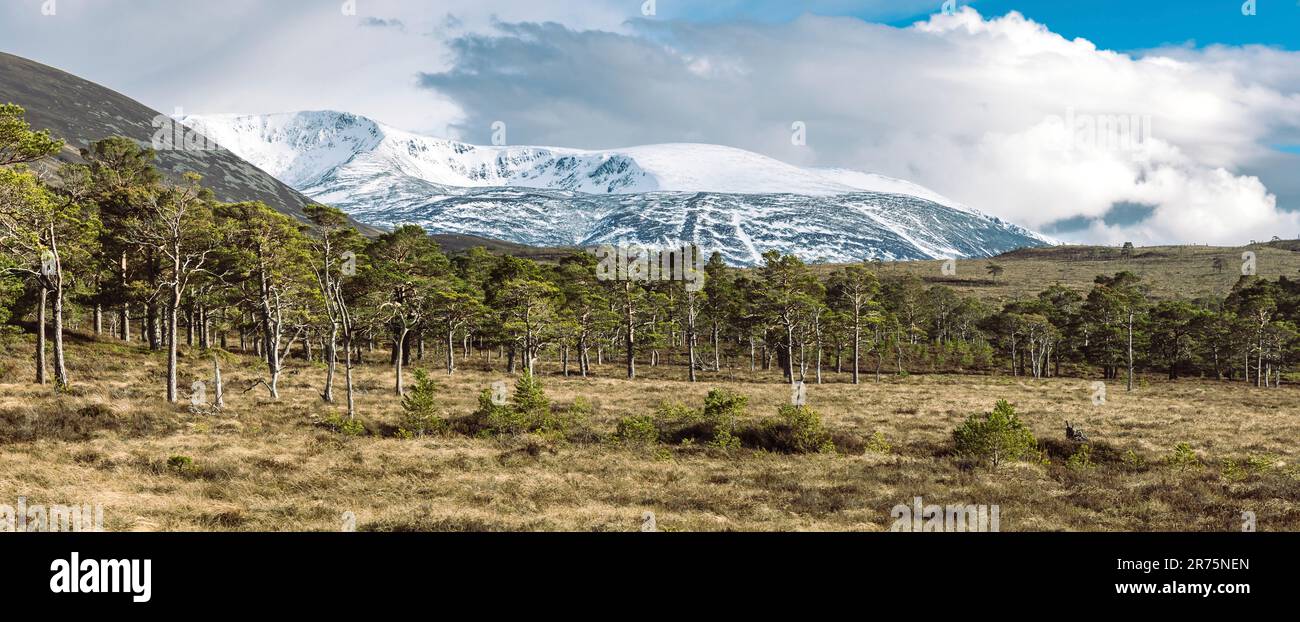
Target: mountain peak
[721, 198]
[301, 147]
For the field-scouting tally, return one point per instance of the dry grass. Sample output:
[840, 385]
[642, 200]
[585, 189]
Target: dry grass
[1171, 271]
[271, 466]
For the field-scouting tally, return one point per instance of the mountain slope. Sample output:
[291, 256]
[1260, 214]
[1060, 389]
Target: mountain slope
[724, 199]
[80, 112]
[839, 228]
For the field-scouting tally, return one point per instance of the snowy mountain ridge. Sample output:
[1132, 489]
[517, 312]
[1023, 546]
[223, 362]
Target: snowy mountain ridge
[722, 198]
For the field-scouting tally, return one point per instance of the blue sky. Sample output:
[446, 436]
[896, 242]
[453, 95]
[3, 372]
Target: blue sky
[1137, 24]
[1111, 24]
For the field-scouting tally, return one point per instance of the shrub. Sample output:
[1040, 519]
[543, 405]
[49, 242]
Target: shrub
[530, 401]
[878, 445]
[1183, 458]
[582, 408]
[1134, 462]
[487, 416]
[1261, 463]
[637, 430]
[1081, 459]
[501, 419]
[1237, 471]
[420, 412]
[562, 424]
[345, 426]
[721, 410]
[1232, 471]
[799, 429]
[677, 412]
[180, 464]
[530, 411]
[995, 437]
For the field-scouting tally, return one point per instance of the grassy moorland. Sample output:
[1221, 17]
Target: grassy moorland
[260, 465]
[1172, 272]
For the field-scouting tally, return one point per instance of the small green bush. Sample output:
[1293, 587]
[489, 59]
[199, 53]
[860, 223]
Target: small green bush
[995, 437]
[181, 464]
[804, 430]
[530, 412]
[722, 408]
[502, 420]
[420, 409]
[1081, 459]
[1261, 463]
[637, 430]
[530, 401]
[877, 444]
[1134, 462]
[1237, 471]
[677, 412]
[489, 414]
[345, 426]
[1183, 458]
[1232, 471]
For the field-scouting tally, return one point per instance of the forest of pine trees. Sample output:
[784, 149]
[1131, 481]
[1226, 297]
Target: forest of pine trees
[108, 247]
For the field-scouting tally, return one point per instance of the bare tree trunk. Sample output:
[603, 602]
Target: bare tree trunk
[60, 365]
[331, 360]
[451, 352]
[1259, 360]
[189, 325]
[690, 354]
[717, 354]
[857, 345]
[397, 361]
[125, 311]
[819, 363]
[40, 337]
[205, 334]
[789, 352]
[155, 331]
[630, 336]
[173, 313]
[216, 373]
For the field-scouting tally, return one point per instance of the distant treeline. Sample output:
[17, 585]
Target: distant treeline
[107, 246]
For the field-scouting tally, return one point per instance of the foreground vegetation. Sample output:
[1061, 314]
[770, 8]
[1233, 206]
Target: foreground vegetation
[263, 465]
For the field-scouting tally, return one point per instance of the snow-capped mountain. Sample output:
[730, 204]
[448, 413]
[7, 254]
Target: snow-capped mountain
[721, 198]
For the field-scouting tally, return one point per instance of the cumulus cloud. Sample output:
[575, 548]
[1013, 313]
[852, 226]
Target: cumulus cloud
[976, 108]
[259, 56]
[969, 105]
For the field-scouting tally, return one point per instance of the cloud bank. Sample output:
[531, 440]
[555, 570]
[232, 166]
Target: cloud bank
[974, 107]
[1001, 113]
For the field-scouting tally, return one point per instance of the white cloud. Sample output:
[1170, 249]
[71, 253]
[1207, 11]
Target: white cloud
[960, 103]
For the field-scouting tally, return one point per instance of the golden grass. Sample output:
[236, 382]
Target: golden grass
[269, 466]
[1171, 271]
